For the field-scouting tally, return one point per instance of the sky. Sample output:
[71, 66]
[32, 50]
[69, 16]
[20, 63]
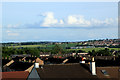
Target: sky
[59, 21]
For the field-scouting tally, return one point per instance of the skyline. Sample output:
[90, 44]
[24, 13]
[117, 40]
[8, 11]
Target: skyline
[59, 21]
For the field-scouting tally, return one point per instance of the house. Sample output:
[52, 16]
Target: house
[4, 62]
[62, 72]
[16, 66]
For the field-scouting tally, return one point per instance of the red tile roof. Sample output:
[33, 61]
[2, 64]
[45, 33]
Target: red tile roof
[16, 75]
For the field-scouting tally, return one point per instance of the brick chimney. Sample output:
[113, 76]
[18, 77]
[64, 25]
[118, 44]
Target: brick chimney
[20, 60]
[9, 58]
[29, 61]
[5, 57]
[24, 60]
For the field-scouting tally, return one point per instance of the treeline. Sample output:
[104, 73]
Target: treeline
[104, 52]
[6, 52]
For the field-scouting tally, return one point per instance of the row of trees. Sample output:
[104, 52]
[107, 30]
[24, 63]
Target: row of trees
[55, 50]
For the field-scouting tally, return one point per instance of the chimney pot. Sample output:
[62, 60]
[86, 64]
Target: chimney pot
[93, 59]
[36, 65]
[19, 59]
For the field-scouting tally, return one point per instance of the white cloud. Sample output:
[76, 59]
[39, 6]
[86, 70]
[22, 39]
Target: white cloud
[61, 21]
[78, 20]
[11, 33]
[49, 19]
[74, 21]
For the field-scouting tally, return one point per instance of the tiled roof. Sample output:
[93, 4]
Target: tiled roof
[113, 73]
[18, 66]
[64, 72]
[5, 61]
[17, 75]
[30, 58]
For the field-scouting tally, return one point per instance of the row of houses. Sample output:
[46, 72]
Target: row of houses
[54, 68]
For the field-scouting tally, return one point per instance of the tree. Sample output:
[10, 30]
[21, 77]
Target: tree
[57, 49]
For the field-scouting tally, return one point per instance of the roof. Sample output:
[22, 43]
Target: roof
[30, 58]
[17, 75]
[73, 59]
[17, 58]
[103, 63]
[18, 66]
[112, 72]
[64, 71]
[54, 60]
[5, 61]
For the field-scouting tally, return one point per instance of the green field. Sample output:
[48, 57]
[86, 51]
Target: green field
[27, 46]
[44, 45]
[96, 49]
[63, 46]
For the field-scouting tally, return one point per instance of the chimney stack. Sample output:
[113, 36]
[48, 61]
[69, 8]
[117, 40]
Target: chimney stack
[82, 61]
[9, 58]
[29, 61]
[92, 67]
[5, 57]
[93, 59]
[24, 60]
[36, 65]
[19, 60]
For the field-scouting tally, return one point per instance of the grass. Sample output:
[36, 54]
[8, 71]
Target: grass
[96, 49]
[63, 46]
[28, 46]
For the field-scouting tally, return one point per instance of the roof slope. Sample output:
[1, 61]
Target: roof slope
[64, 71]
[17, 66]
[17, 75]
[113, 72]
[5, 61]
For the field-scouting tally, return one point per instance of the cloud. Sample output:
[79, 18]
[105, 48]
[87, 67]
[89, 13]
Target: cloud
[49, 19]
[10, 33]
[13, 25]
[13, 34]
[74, 21]
[78, 20]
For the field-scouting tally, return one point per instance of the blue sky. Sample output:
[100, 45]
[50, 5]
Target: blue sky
[59, 21]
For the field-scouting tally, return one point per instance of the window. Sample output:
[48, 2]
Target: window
[104, 72]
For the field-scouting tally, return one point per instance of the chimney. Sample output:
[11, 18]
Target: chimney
[24, 60]
[19, 60]
[36, 65]
[5, 57]
[82, 61]
[29, 61]
[114, 58]
[93, 59]
[92, 67]
[9, 58]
